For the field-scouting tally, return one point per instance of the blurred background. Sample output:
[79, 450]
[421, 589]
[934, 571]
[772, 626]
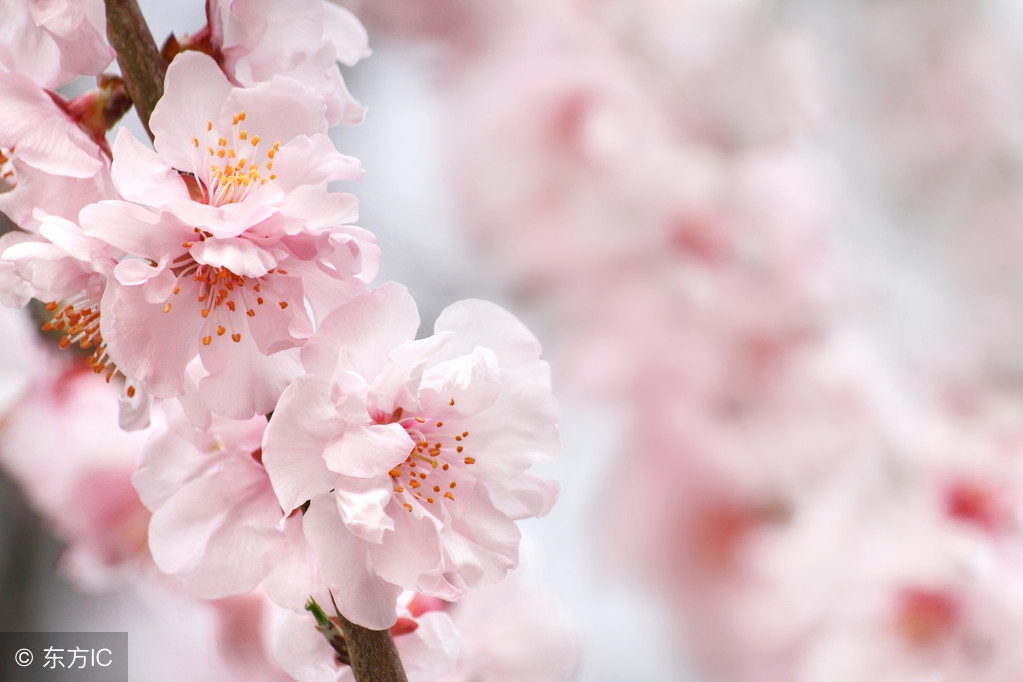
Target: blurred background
[773, 251]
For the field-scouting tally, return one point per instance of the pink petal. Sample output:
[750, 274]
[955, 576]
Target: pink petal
[45, 137]
[472, 381]
[303, 422]
[134, 411]
[414, 549]
[142, 176]
[62, 195]
[519, 430]
[218, 533]
[295, 577]
[483, 543]
[278, 110]
[302, 652]
[316, 208]
[364, 330]
[399, 380]
[368, 450]
[347, 34]
[362, 596]
[481, 323]
[148, 344]
[362, 505]
[83, 46]
[133, 229]
[243, 381]
[134, 272]
[194, 92]
[525, 496]
[313, 160]
[232, 219]
[431, 650]
[240, 256]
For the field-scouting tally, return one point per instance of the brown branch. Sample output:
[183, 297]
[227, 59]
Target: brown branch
[142, 65]
[372, 653]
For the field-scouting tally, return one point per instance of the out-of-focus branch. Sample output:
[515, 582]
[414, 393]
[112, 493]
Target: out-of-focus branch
[142, 65]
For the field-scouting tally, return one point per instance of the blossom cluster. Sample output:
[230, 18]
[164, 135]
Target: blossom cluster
[296, 443]
[784, 241]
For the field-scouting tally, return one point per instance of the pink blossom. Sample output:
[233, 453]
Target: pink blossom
[52, 41]
[256, 40]
[242, 247]
[412, 455]
[559, 145]
[62, 445]
[513, 632]
[924, 597]
[69, 272]
[46, 157]
[216, 522]
[466, 24]
[20, 365]
[244, 634]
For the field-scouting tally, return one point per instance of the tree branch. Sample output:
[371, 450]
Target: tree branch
[373, 655]
[142, 65]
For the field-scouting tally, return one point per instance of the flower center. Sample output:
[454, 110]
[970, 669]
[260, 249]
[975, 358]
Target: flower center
[231, 172]
[925, 617]
[222, 295]
[78, 322]
[429, 472]
[7, 167]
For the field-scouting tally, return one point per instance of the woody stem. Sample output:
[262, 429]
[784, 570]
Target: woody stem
[374, 657]
[142, 65]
